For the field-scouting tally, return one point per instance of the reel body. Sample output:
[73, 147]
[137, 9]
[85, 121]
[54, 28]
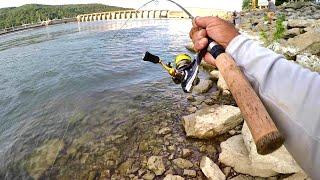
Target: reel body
[184, 72]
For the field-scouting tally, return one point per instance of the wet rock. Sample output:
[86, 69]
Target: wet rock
[182, 163]
[311, 62]
[148, 176]
[279, 161]
[125, 167]
[164, 131]
[212, 121]
[210, 169]
[173, 177]
[155, 164]
[186, 153]
[234, 154]
[203, 86]
[93, 175]
[191, 98]
[308, 42]
[84, 158]
[43, 157]
[190, 173]
[105, 174]
[214, 75]
[192, 109]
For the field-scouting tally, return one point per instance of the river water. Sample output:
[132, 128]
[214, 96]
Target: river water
[78, 97]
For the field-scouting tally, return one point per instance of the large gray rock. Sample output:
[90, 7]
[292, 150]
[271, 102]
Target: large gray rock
[309, 61]
[212, 121]
[279, 161]
[156, 165]
[210, 169]
[234, 154]
[300, 23]
[203, 86]
[308, 42]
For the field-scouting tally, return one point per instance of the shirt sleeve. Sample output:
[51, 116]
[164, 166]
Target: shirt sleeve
[291, 95]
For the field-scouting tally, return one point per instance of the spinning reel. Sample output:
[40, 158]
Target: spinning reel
[184, 72]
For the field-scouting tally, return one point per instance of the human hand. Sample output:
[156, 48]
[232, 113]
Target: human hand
[217, 29]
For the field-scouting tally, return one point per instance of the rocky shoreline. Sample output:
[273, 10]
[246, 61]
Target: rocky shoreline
[201, 137]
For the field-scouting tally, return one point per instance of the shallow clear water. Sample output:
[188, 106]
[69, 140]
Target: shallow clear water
[62, 82]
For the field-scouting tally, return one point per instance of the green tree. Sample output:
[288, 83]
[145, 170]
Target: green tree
[246, 4]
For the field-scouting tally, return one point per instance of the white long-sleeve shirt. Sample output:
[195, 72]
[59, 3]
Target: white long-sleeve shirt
[291, 95]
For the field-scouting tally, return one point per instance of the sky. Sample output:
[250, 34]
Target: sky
[161, 4]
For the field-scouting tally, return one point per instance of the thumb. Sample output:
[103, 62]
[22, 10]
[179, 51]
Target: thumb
[203, 22]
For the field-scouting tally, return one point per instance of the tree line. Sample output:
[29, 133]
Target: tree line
[34, 13]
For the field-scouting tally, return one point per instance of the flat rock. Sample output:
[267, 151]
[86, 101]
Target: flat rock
[182, 163]
[173, 177]
[292, 33]
[308, 42]
[203, 86]
[210, 169]
[155, 164]
[212, 121]
[279, 161]
[300, 23]
[234, 154]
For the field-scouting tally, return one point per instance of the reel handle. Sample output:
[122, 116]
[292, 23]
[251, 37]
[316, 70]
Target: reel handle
[264, 132]
[151, 58]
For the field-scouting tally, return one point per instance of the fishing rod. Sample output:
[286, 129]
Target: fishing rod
[264, 132]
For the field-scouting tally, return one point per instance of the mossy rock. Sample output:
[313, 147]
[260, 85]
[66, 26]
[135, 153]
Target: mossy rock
[43, 157]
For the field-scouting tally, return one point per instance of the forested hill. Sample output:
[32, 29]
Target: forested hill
[33, 13]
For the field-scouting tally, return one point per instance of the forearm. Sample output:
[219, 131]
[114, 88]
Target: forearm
[290, 93]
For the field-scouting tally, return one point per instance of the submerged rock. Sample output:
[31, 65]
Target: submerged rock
[234, 154]
[43, 157]
[155, 164]
[203, 86]
[212, 121]
[210, 169]
[164, 131]
[173, 177]
[279, 161]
